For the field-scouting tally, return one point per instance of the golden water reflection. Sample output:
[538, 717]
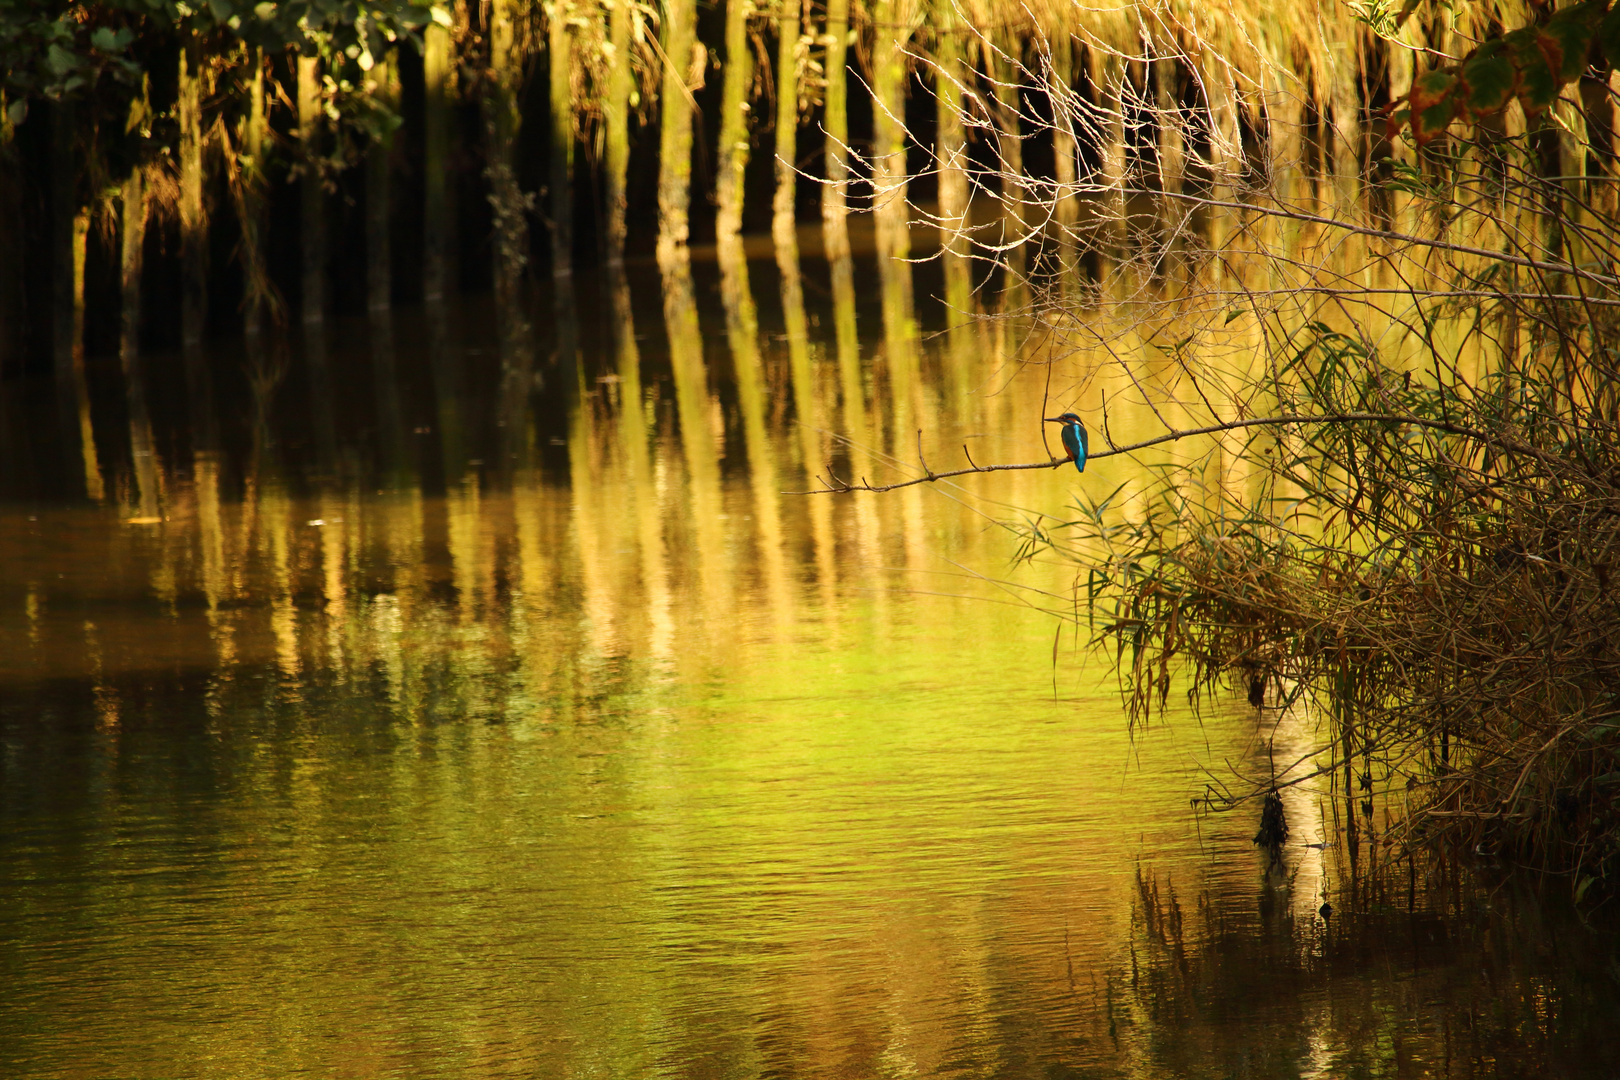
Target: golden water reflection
[642, 768]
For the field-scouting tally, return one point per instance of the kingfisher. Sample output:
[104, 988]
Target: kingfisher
[1074, 437]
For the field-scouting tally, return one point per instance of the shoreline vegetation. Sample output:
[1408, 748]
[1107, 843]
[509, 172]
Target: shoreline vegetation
[1365, 252]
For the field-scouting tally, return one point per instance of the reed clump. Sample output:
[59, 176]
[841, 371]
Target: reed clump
[1442, 602]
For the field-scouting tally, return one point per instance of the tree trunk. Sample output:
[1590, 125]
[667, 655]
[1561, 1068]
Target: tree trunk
[63, 209]
[264, 368]
[379, 164]
[835, 192]
[312, 191]
[1347, 128]
[501, 122]
[194, 248]
[889, 185]
[739, 74]
[1064, 171]
[250, 209]
[141, 444]
[1108, 83]
[562, 136]
[783, 226]
[621, 81]
[437, 226]
[93, 485]
[384, 87]
[675, 132]
[951, 152]
[193, 226]
[312, 224]
[1006, 72]
[892, 20]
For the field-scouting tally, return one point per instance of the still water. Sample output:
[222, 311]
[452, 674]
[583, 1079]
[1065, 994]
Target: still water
[622, 763]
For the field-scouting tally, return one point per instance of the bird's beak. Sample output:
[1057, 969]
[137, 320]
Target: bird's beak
[1053, 419]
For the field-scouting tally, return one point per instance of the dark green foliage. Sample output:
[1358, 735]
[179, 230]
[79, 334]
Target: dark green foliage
[1532, 63]
[56, 50]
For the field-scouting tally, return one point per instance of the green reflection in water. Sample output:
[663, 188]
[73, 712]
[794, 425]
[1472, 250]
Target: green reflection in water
[563, 777]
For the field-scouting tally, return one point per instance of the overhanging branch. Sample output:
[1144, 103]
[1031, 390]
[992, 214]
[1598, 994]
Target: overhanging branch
[832, 485]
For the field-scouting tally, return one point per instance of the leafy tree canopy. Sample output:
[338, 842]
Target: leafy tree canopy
[61, 50]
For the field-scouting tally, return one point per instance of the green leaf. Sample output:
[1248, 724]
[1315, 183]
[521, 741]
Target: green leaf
[1608, 37]
[104, 39]
[60, 61]
[17, 111]
[1433, 103]
[1233, 315]
[1570, 33]
[1584, 884]
[1490, 77]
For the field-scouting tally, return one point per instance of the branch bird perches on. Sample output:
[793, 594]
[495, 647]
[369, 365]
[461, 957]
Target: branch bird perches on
[832, 485]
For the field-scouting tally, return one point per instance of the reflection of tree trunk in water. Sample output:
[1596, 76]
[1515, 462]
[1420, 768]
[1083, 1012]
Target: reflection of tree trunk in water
[1005, 71]
[739, 74]
[592, 517]
[93, 485]
[447, 390]
[675, 133]
[510, 206]
[436, 221]
[275, 512]
[312, 226]
[142, 448]
[616, 120]
[638, 465]
[211, 540]
[380, 283]
[699, 439]
[806, 402]
[851, 378]
[950, 74]
[784, 231]
[194, 249]
[627, 365]
[742, 330]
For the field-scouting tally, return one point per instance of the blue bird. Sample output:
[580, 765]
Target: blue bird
[1074, 437]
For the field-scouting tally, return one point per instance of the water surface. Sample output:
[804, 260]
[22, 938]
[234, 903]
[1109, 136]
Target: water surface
[617, 762]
